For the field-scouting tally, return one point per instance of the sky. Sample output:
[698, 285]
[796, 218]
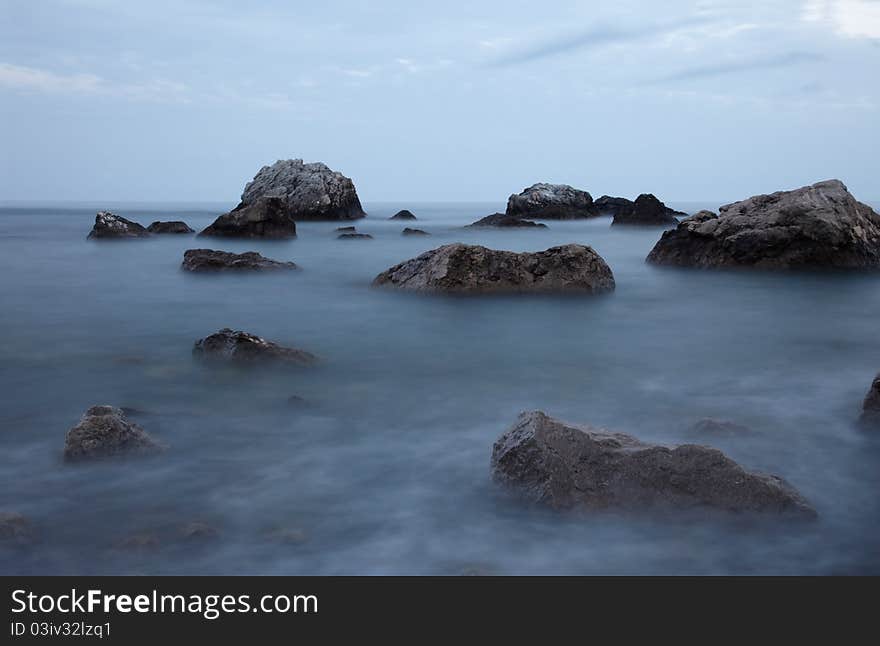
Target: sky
[185, 100]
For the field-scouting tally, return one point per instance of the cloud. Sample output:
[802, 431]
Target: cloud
[848, 18]
[714, 70]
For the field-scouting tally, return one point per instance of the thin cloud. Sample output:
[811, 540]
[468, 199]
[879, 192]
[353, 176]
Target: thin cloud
[715, 70]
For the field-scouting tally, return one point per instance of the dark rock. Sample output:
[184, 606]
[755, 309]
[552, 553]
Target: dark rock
[295, 401]
[414, 232]
[308, 191]
[607, 205]
[871, 406]
[175, 226]
[647, 211]
[15, 529]
[718, 427]
[109, 225]
[211, 260]
[403, 215]
[103, 432]
[346, 229]
[242, 347]
[266, 217]
[355, 236]
[461, 268]
[504, 220]
[818, 226]
[566, 467]
[552, 202]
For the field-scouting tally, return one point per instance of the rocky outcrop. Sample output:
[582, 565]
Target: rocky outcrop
[552, 202]
[818, 226]
[607, 205]
[403, 215]
[579, 467]
[15, 529]
[213, 260]
[461, 268]
[307, 191]
[354, 236]
[243, 348]
[504, 220]
[414, 232]
[104, 431]
[871, 406]
[647, 210]
[266, 217]
[109, 226]
[175, 226]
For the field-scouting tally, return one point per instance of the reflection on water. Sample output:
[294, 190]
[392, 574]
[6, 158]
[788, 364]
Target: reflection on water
[384, 468]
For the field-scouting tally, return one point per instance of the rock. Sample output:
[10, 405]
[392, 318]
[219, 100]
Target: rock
[414, 232]
[461, 268]
[295, 401]
[607, 205]
[212, 260]
[354, 236]
[104, 431]
[266, 217]
[308, 191]
[871, 406]
[552, 202]
[403, 215]
[818, 226]
[346, 229]
[568, 467]
[243, 347]
[718, 427]
[175, 226]
[504, 220]
[15, 529]
[109, 225]
[198, 531]
[647, 210]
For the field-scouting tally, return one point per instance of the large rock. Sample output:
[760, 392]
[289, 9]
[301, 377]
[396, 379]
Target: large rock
[566, 467]
[552, 202]
[308, 191]
[104, 431]
[109, 225]
[647, 210]
[818, 226]
[267, 217]
[461, 268]
[242, 347]
[871, 405]
[174, 226]
[213, 260]
[403, 215]
[607, 205]
[504, 220]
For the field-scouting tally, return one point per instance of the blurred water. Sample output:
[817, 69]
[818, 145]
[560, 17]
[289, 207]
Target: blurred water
[387, 469]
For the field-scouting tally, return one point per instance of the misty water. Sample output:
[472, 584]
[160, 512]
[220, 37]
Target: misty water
[385, 469]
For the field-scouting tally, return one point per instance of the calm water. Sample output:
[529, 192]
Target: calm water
[387, 469]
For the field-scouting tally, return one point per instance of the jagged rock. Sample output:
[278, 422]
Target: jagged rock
[212, 260]
[109, 225]
[403, 215]
[504, 220]
[607, 205]
[461, 268]
[567, 467]
[175, 226]
[15, 528]
[266, 217]
[414, 232]
[308, 191]
[354, 236]
[104, 431]
[647, 210]
[243, 347]
[818, 226]
[871, 406]
[718, 427]
[552, 202]
[346, 229]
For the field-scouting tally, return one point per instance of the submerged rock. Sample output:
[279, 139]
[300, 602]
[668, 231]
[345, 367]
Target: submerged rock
[212, 260]
[308, 191]
[504, 220]
[346, 229]
[871, 406]
[144, 541]
[354, 236]
[818, 226]
[243, 347]
[552, 202]
[461, 268]
[567, 467]
[403, 215]
[266, 217]
[198, 531]
[414, 232]
[15, 528]
[175, 226]
[647, 210]
[109, 225]
[718, 427]
[104, 431]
